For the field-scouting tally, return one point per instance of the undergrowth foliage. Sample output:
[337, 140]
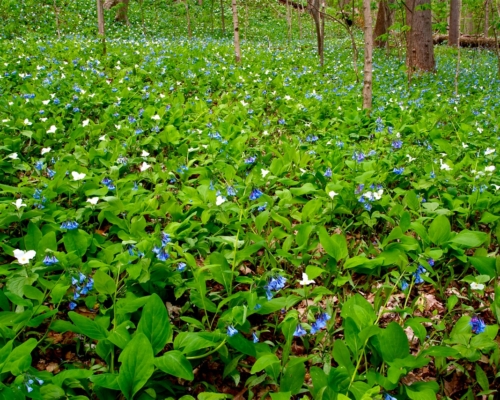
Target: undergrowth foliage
[174, 225]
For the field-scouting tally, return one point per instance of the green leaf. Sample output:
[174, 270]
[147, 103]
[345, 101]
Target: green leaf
[71, 374]
[393, 342]
[282, 395]
[155, 323]
[484, 265]
[104, 283]
[470, 239]
[19, 359]
[481, 378]
[440, 230]
[342, 356]
[76, 241]
[335, 245]
[137, 365]
[264, 362]
[88, 327]
[51, 392]
[313, 271]
[48, 242]
[33, 238]
[176, 364]
[358, 308]
[33, 293]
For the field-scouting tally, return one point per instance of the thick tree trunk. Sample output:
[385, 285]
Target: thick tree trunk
[122, 10]
[190, 34]
[468, 41]
[486, 18]
[237, 51]
[368, 66]
[419, 46]
[384, 21]
[454, 31]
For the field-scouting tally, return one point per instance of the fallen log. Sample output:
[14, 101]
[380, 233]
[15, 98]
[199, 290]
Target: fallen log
[468, 41]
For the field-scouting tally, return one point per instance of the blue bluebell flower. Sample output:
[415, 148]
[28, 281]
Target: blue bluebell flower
[231, 331]
[387, 396]
[397, 144]
[255, 338]
[477, 324]
[328, 173]
[39, 165]
[181, 266]
[163, 255]
[69, 225]
[72, 305]
[404, 285]
[262, 207]
[398, 171]
[255, 194]
[299, 331]
[50, 260]
[258, 307]
[165, 239]
[230, 191]
[51, 173]
[250, 160]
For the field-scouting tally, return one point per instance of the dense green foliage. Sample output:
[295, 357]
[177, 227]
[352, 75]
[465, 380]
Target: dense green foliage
[173, 224]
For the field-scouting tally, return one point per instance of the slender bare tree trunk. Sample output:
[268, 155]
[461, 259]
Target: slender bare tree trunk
[222, 17]
[246, 20]
[486, 18]
[299, 23]
[190, 34]
[212, 14]
[315, 8]
[495, 33]
[237, 50]
[383, 22]
[454, 31]
[100, 24]
[56, 13]
[122, 10]
[368, 66]
[288, 21]
[420, 47]
[200, 2]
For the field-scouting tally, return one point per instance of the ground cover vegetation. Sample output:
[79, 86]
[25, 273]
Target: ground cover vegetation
[177, 225]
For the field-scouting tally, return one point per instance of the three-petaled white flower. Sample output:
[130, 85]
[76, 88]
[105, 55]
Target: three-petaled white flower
[86, 122]
[45, 102]
[476, 286]
[489, 151]
[103, 137]
[14, 156]
[156, 117]
[219, 200]
[24, 257]
[19, 203]
[144, 166]
[410, 158]
[52, 129]
[118, 127]
[144, 153]
[77, 176]
[305, 280]
[332, 194]
[93, 200]
[264, 172]
[490, 168]
[27, 122]
[45, 150]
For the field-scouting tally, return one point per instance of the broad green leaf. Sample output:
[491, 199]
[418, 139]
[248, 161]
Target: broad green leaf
[176, 364]
[393, 342]
[88, 327]
[104, 283]
[76, 241]
[335, 245]
[155, 323]
[440, 230]
[137, 365]
[264, 362]
[469, 239]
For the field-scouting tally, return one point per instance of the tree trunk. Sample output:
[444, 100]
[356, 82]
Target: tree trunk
[100, 25]
[200, 2]
[237, 51]
[368, 66]
[289, 21]
[56, 13]
[190, 34]
[384, 21]
[419, 46]
[122, 10]
[314, 7]
[222, 17]
[454, 31]
[486, 18]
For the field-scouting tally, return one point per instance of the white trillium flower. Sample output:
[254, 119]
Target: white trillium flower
[144, 153]
[118, 127]
[410, 158]
[19, 203]
[93, 200]
[14, 156]
[489, 151]
[476, 286]
[45, 150]
[495, 186]
[332, 194]
[52, 129]
[305, 280]
[77, 176]
[464, 145]
[219, 200]
[45, 102]
[490, 168]
[264, 172]
[27, 122]
[144, 166]
[24, 257]
[156, 117]
[103, 137]
[43, 119]
[445, 166]
[86, 122]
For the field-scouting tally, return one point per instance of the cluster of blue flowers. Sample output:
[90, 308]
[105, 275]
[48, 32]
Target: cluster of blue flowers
[69, 225]
[250, 160]
[398, 171]
[38, 196]
[328, 173]
[231, 331]
[275, 284]
[477, 324]
[108, 183]
[81, 286]
[161, 252]
[50, 260]
[255, 194]
[317, 325]
[30, 381]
